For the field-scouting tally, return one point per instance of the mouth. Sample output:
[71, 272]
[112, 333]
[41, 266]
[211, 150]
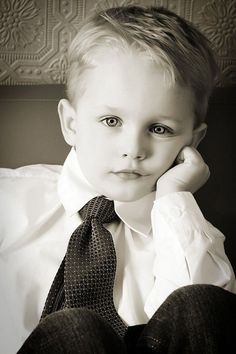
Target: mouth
[129, 174]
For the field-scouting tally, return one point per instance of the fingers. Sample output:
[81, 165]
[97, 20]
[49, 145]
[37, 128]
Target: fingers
[190, 173]
[189, 155]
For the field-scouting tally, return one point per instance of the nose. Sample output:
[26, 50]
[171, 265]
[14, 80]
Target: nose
[134, 156]
[134, 148]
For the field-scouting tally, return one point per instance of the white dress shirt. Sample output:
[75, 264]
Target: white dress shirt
[161, 245]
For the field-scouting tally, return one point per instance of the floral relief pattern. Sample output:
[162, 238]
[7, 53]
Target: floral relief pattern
[35, 34]
[218, 22]
[58, 69]
[19, 23]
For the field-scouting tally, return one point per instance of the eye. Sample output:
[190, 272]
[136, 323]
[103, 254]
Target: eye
[160, 130]
[111, 121]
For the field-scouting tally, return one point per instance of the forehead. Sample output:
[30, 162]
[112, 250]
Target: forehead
[132, 81]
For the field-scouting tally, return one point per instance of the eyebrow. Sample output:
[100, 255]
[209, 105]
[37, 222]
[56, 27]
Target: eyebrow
[119, 112]
[113, 109]
[170, 118]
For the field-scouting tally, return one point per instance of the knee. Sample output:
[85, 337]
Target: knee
[76, 320]
[188, 291]
[203, 296]
[74, 330]
[197, 305]
[72, 320]
[196, 316]
[191, 305]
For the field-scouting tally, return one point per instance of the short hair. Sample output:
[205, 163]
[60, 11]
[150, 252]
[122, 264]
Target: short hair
[171, 41]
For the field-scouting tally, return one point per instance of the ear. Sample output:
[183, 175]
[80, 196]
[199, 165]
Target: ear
[67, 117]
[198, 134]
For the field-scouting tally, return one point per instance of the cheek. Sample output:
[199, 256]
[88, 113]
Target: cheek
[91, 159]
[165, 155]
[174, 153]
[167, 152]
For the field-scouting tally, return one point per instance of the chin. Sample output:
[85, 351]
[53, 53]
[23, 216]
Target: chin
[125, 197]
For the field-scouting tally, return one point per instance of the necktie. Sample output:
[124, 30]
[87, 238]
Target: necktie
[86, 275]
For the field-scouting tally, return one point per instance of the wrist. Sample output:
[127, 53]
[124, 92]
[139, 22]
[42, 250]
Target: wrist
[161, 192]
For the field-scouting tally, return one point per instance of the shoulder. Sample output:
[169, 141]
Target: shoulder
[40, 171]
[28, 181]
[28, 195]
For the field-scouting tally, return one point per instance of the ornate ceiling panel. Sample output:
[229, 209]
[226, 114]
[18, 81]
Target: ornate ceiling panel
[34, 35]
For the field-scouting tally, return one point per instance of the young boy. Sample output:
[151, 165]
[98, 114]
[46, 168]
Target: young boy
[138, 84]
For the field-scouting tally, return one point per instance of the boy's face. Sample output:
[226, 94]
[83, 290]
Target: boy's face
[128, 126]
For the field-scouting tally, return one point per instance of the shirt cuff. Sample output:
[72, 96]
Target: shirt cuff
[180, 213]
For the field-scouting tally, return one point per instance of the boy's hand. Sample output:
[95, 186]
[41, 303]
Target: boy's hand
[190, 173]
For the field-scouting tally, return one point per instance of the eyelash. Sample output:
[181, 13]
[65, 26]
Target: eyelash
[106, 120]
[118, 123]
[164, 131]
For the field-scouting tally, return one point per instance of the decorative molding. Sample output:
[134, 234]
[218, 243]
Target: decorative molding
[34, 35]
[20, 24]
[219, 24]
[217, 20]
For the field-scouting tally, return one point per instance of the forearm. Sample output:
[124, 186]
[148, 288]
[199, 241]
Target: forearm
[189, 250]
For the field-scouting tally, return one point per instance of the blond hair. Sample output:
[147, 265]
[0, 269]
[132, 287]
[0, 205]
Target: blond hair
[169, 40]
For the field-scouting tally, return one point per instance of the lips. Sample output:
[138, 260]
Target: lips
[128, 174]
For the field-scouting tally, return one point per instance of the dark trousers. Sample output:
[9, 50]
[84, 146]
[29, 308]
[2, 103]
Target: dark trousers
[195, 319]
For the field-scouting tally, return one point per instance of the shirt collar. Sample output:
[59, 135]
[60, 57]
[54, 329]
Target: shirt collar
[75, 191]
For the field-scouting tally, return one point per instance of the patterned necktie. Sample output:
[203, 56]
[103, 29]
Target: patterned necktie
[86, 275]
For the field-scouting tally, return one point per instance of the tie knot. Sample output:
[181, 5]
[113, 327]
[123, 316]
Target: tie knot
[99, 208]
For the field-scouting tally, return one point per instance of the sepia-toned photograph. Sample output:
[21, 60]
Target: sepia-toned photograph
[117, 176]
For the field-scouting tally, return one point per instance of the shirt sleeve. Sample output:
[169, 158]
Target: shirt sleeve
[189, 249]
